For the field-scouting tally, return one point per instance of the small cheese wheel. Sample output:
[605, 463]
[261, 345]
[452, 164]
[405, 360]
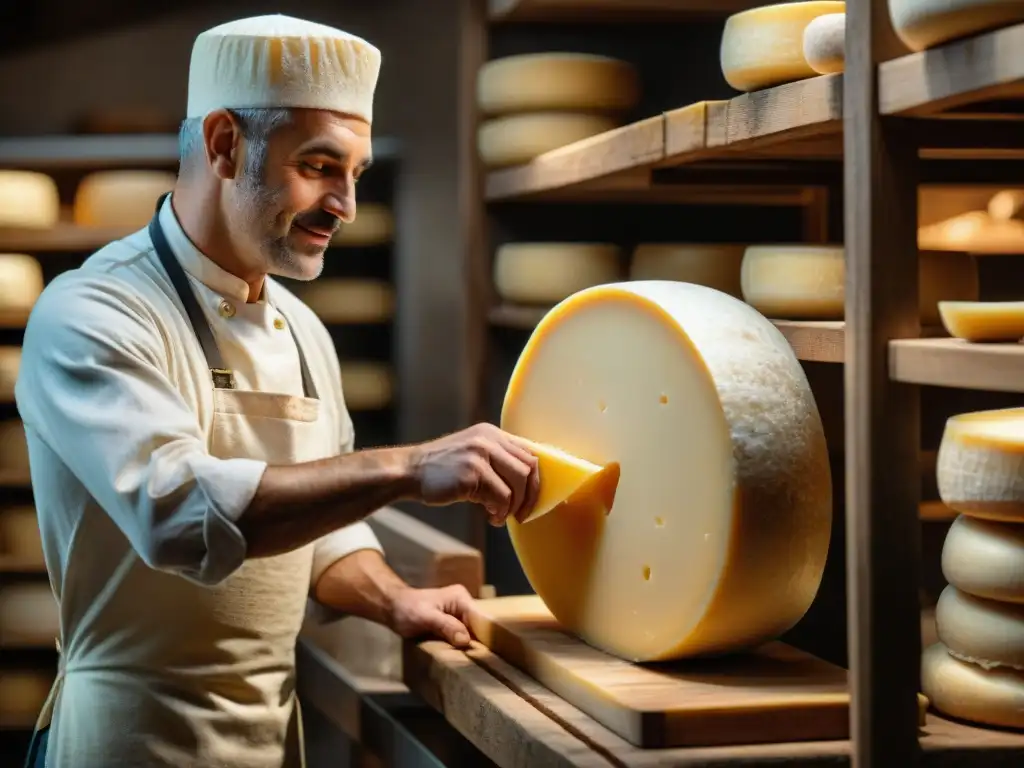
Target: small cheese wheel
[28, 199]
[29, 615]
[985, 558]
[923, 24]
[764, 46]
[968, 692]
[540, 82]
[120, 199]
[21, 281]
[519, 139]
[980, 469]
[546, 273]
[19, 534]
[13, 449]
[825, 43]
[349, 300]
[366, 384]
[22, 695]
[716, 266]
[10, 363]
[561, 476]
[719, 529]
[988, 633]
[983, 320]
[374, 225]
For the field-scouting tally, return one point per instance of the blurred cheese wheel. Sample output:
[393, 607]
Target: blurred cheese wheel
[29, 615]
[28, 199]
[21, 281]
[19, 534]
[923, 24]
[13, 449]
[373, 225]
[341, 300]
[715, 266]
[825, 43]
[22, 695]
[516, 139]
[121, 199]
[546, 273]
[10, 362]
[367, 385]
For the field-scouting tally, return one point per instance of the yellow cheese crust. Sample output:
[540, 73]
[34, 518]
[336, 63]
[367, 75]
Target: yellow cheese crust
[546, 273]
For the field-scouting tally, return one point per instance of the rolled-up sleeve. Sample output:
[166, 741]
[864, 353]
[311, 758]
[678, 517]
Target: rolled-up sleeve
[93, 385]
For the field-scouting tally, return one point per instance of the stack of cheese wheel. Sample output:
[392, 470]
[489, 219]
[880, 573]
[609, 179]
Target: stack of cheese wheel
[764, 47]
[120, 199]
[28, 200]
[349, 300]
[976, 670]
[714, 265]
[715, 536]
[542, 101]
[367, 385]
[13, 451]
[808, 282]
[19, 535]
[545, 273]
[923, 24]
[29, 616]
[10, 362]
[21, 282]
[374, 224]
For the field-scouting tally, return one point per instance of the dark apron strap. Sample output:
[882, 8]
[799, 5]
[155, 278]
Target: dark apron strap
[36, 757]
[222, 375]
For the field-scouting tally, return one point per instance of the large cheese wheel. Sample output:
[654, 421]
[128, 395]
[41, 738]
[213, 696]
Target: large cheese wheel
[349, 300]
[28, 199]
[22, 695]
[764, 46]
[980, 470]
[546, 273]
[716, 266]
[825, 43]
[516, 139]
[983, 320]
[13, 449]
[366, 384]
[373, 225]
[10, 363]
[19, 534]
[29, 615]
[985, 558]
[923, 24]
[121, 199]
[21, 281]
[540, 82]
[808, 282]
[968, 692]
[718, 533]
[985, 632]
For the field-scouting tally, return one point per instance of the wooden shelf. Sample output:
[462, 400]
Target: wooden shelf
[957, 363]
[65, 237]
[588, 11]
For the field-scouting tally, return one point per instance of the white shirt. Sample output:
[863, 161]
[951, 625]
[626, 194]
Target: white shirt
[117, 400]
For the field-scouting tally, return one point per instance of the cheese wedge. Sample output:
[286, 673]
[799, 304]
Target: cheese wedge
[983, 320]
[562, 477]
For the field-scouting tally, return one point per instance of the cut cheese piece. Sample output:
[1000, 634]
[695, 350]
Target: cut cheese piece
[985, 558]
[825, 43]
[28, 199]
[983, 320]
[519, 139]
[716, 266]
[21, 281]
[562, 476]
[808, 282]
[374, 224]
[546, 273]
[722, 514]
[29, 615]
[923, 24]
[19, 534]
[764, 46]
[119, 199]
[349, 300]
[22, 695]
[968, 692]
[10, 363]
[980, 469]
[984, 632]
[366, 384]
[13, 450]
[557, 82]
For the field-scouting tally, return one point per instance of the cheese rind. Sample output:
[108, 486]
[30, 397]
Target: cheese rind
[981, 321]
[561, 476]
[764, 46]
[985, 632]
[719, 530]
[713, 265]
[966, 691]
[349, 300]
[516, 139]
[985, 558]
[367, 384]
[21, 281]
[923, 24]
[119, 199]
[825, 43]
[374, 224]
[546, 273]
[28, 199]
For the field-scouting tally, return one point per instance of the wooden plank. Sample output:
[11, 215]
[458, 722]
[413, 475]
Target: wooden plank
[957, 363]
[686, 131]
[588, 11]
[817, 341]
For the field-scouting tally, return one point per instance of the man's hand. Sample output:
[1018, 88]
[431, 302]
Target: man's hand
[483, 465]
[442, 612]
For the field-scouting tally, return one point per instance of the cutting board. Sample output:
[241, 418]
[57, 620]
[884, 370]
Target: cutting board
[774, 694]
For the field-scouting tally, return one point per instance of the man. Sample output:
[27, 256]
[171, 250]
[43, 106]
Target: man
[190, 448]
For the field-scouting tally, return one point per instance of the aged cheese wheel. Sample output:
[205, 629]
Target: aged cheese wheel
[28, 614]
[825, 43]
[349, 300]
[120, 199]
[28, 199]
[719, 528]
[13, 449]
[367, 384]
[923, 24]
[985, 558]
[985, 632]
[546, 273]
[22, 695]
[980, 469]
[21, 281]
[764, 46]
[516, 139]
[983, 320]
[373, 225]
[558, 82]
[10, 362]
[969, 692]
[714, 265]
[19, 534]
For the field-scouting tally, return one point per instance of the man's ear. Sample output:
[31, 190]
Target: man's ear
[222, 140]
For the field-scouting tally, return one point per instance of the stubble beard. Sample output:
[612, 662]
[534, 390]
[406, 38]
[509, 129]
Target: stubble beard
[259, 209]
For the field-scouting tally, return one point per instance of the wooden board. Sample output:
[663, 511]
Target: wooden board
[777, 694]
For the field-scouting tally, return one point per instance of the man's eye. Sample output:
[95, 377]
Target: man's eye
[315, 167]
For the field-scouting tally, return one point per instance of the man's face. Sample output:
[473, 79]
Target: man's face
[292, 204]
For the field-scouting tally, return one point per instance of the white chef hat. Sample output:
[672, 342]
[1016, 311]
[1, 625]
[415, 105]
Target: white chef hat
[279, 61]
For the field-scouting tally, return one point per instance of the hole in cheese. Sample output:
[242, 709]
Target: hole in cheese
[659, 521]
[647, 573]
[663, 399]
[565, 478]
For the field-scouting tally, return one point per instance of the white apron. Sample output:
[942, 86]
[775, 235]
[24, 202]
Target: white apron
[209, 680]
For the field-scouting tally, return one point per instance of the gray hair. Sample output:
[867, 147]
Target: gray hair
[257, 125]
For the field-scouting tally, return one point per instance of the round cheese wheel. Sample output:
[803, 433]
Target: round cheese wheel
[373, 225]
[923, 24]
[349, 300]
[988, 633]
[825, 43]
[22, 695]
[10, 362]
[366, 384]
[516, 139]
[29, 615]
[968, 692]
[121, 199]
[985, 558]
[19, 534]
[980, 469]
[538, 82]
[989, 321]
[974, 232]
[716, 266]
[13, 449]
[546, 273]
[715, 537]
[764, 46]
[28, 199]
[21, 281]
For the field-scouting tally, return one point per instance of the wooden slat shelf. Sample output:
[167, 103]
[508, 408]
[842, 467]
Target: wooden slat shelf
[588, 11]
[957, 363]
